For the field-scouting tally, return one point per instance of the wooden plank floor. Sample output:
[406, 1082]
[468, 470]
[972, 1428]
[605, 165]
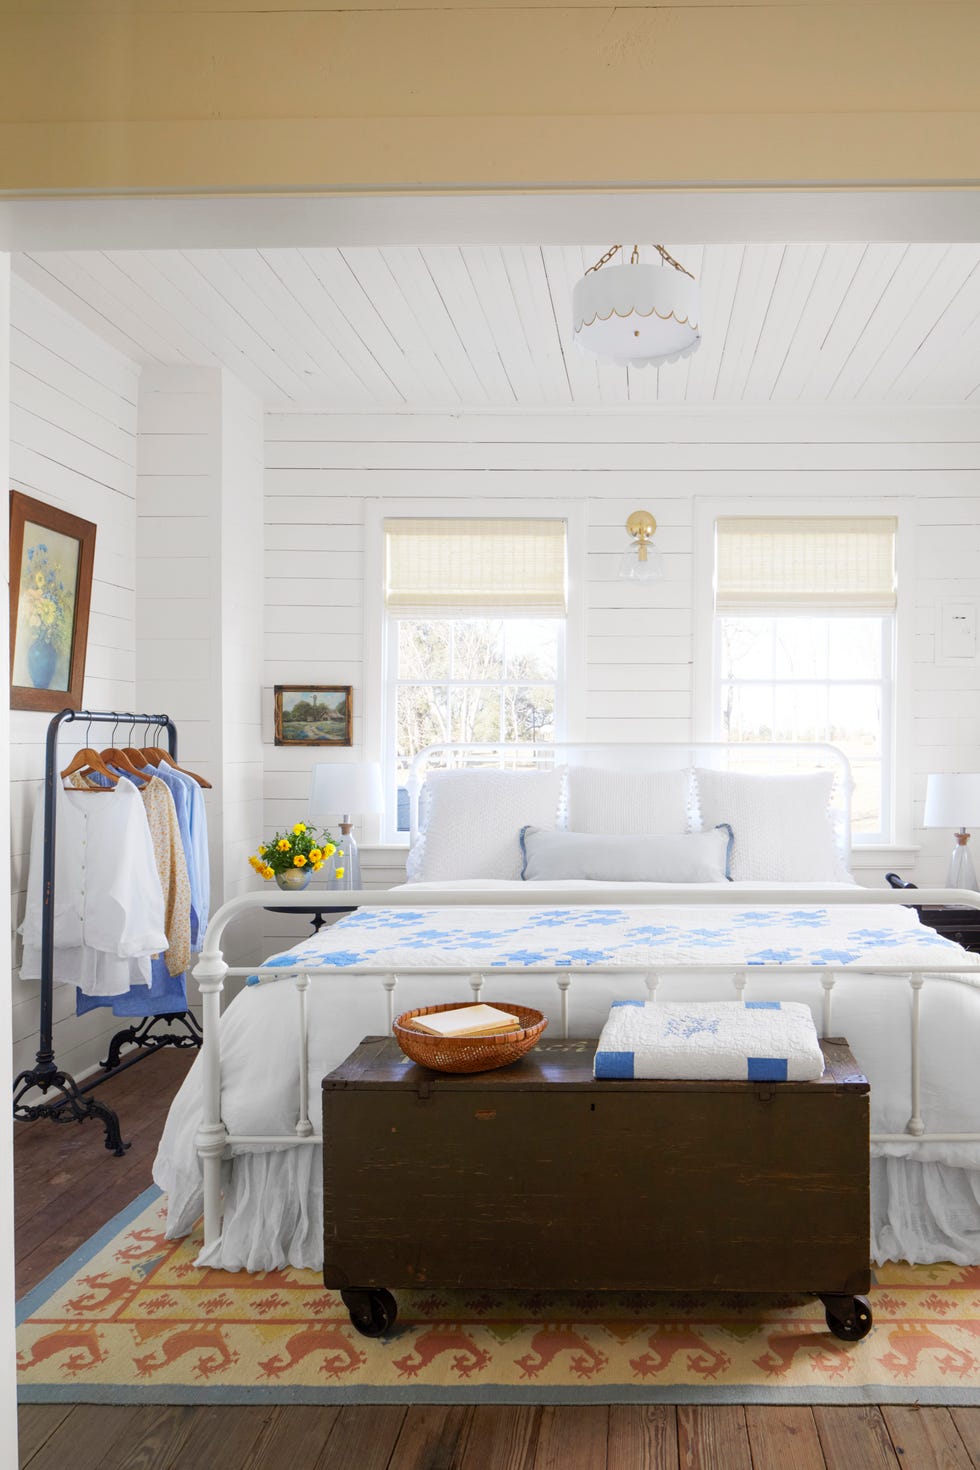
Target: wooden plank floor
[67, 1186]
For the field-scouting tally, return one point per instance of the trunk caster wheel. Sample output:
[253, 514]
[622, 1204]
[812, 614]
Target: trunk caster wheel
[372, 1311]
[848, 1317]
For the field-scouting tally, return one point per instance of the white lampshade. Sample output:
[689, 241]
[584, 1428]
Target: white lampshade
[337, 788]
[640, 314]
[952, 800]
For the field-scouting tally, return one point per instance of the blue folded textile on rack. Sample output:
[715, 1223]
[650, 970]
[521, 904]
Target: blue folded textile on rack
[758, 1041]
[166, 995]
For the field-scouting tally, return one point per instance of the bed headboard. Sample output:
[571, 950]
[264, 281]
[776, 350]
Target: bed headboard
[775, 758]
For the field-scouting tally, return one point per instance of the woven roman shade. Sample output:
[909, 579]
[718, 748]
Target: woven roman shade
[836, 563]
[467, 566]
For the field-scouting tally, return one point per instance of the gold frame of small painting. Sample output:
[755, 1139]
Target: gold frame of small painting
[302, 719]
[52, 556]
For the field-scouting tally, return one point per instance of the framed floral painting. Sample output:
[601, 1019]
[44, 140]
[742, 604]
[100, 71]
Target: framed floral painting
[51, 558]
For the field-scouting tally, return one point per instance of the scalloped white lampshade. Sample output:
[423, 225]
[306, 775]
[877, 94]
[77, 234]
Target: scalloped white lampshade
[637, 315]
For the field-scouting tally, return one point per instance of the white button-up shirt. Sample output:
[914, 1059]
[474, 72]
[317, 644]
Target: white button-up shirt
[109, 914]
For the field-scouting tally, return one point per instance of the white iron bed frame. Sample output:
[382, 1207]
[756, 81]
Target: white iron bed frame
[213, 1139]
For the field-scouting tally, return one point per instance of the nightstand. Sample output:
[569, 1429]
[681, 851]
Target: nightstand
[316, 909]
[951, 920]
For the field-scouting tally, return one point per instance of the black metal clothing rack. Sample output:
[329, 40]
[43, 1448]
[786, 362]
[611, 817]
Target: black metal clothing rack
[72, 1104]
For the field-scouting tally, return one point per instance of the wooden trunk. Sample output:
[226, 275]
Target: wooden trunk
[539, 1177]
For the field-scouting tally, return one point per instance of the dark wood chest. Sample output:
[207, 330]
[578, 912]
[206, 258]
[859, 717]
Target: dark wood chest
[537, 1176]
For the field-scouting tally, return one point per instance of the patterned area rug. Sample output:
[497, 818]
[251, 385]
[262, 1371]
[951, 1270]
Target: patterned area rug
[129, 1318]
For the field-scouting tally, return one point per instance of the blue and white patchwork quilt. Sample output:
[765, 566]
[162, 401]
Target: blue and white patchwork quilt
[628, 938]
[696, 1040]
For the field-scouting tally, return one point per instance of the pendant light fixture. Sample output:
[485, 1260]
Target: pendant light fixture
[637, 313]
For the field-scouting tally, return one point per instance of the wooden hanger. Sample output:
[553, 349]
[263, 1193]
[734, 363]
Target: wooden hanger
[121, 759]
[89, 760]
[155, 755]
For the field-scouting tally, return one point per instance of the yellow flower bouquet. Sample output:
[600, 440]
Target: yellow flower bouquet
[299, 852]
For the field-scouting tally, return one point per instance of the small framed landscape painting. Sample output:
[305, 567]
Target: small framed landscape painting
[52, 555]
[319, 714]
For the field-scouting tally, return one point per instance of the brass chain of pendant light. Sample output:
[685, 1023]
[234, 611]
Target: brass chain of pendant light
[665, 256]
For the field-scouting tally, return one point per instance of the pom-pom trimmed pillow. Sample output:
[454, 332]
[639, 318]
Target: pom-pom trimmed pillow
[782, 827]
[619, 802]
[474, 818]
[685, 857]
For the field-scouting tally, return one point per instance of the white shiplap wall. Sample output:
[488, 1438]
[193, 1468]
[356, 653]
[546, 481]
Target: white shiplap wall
[73, 406]
[322, 471]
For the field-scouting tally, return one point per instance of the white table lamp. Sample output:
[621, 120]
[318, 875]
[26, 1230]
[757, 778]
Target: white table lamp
[953, 800]
[347, 789]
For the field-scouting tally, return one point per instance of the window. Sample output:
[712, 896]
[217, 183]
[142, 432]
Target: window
[805, 643]
[475, 637]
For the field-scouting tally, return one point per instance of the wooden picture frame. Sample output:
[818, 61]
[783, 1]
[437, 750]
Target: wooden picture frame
[299, 723]
[52, 556]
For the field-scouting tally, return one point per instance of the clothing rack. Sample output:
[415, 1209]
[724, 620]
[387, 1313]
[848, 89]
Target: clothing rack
[72, 1105]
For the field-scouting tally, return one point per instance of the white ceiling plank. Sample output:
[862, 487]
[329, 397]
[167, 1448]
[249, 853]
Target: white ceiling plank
[583, 376]
[366, 386]
[407, 326]
[720, 273]
[69, 288]
[491, 283]
[171, 333]
[861, 300]
[447, 267]
[881, 329]
[364, 332]
[186, 286]
[794, 282]
[672, 379]
[837, 269]
[760, 268]
[937, 292]
[529, 284]
[419, 289]
[948, 348]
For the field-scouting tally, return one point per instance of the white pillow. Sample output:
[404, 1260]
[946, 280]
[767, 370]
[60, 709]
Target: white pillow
[782, 827]
[474, 820]
[618, 802]
[681, 857]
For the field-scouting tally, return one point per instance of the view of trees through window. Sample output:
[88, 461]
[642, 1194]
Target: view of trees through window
[474, 680]
[811, 677]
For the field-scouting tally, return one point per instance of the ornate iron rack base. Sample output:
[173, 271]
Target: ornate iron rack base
[71, 1105]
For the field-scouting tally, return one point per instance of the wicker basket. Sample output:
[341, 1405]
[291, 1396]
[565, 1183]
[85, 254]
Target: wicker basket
[468, 1053]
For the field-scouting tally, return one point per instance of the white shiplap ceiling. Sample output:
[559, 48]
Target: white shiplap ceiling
[446, 327]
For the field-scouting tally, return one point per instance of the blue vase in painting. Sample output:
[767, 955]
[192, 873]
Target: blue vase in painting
[41, 660]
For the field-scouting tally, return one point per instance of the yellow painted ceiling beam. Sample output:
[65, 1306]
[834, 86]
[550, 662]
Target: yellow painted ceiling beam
[100, 95]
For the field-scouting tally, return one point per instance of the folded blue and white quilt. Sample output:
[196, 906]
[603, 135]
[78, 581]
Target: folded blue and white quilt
[630, 938]
[760, 1041]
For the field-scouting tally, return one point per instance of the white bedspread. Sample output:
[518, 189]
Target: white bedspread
[273, 1204]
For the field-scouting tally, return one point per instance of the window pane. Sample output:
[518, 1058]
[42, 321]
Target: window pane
[855, 719]
[801, 712]
[529, 713]
[866, 804]
[801, 648]
[746, 712]
[855, 647]
[422, 713]
[532, 649]
[423, 649]
[478, 648]
[475, 715]
[745, 647]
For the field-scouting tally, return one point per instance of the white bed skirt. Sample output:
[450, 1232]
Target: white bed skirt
[921, 1213]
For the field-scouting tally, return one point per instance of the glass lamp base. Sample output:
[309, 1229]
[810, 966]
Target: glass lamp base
[350, 862]
[961, 872]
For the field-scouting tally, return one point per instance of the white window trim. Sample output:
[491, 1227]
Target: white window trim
[376, 619]
[706, 511]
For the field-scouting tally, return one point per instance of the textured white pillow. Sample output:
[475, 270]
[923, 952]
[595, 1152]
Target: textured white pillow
[475, 818]
[627, 802]
[675, 857]
[782, 827]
